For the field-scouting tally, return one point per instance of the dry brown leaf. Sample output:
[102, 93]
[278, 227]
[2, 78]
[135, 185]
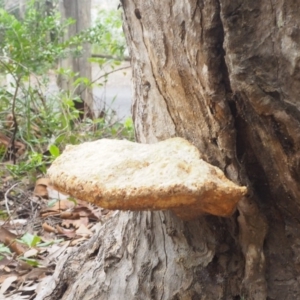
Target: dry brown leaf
[40, 188]
[70, 233]
[23, 267]
[75, 223]
[7, 269]
[9, 121]
[9, 239]
[59, 206]
[48, 228]
[44, 189]
[86, 209]
[36, 273]
[69, 215]
[83, 231]
[6, 284]
[31, 253]
[5, 142]
[46, 214]
[7, 178]
[5, 261]
[62, 205]
[97, 212]
[13, 223]
[3, 276]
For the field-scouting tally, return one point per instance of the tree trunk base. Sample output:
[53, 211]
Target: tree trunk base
[152, 255]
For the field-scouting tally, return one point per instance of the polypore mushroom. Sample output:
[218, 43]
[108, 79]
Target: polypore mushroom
[122, 175]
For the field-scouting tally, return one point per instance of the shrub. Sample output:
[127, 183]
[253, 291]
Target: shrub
[29, 48]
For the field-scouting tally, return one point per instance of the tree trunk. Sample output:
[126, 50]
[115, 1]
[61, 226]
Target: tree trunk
[224, 75]
[81, 12]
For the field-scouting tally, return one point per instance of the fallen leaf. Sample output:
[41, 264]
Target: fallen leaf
[6, 284]
[45, 214]
[4, 276]
[83, 231]
[75, 223]
[69, 215]
[14, 223]
[62, 205]
[9, 121]
[55, 251]
[36, 273]
[5, 142]
[55, 194]
[31, 253]
[5, 261]
[7, 269]
[40, 188]
[48, 228]
[23, 266]
[9, 239]
[70, 233]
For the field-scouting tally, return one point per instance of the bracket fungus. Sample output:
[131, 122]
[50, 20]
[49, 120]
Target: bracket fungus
[123, 175]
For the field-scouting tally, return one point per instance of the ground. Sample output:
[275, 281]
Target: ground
[36, 230]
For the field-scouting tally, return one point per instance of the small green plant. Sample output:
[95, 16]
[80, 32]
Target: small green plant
[30, 240]
[29, 48]
[30, 261]
[4, 249]
[3, 216]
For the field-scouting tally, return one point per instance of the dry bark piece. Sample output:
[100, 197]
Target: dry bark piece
[118, 174]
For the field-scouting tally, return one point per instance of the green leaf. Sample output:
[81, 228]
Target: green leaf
[46, 244]
[54, 150]
[4, 249]
[52, 202]
[72, 200]
[30, 240]
[3, 214]
[128, 124]
[30, 261]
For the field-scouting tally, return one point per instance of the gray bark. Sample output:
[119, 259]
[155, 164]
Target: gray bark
[81, 12]
[224, 75]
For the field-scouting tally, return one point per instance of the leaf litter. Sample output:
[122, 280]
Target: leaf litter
[38, 225]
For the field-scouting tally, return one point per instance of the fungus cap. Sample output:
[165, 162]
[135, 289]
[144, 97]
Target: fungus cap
[123, 175]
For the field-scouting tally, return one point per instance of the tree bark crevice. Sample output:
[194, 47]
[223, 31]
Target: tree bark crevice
[252, 223]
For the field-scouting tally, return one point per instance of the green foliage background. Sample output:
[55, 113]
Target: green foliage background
[29, 49]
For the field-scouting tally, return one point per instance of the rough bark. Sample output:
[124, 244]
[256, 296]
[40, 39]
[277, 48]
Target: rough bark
[224, 75]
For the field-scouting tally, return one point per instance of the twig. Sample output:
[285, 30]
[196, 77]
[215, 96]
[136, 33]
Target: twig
[113, 71]
[106, 74]
[13, 138]
[125, 58]
[6, 198]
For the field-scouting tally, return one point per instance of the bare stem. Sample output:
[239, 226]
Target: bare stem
[15, 123]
